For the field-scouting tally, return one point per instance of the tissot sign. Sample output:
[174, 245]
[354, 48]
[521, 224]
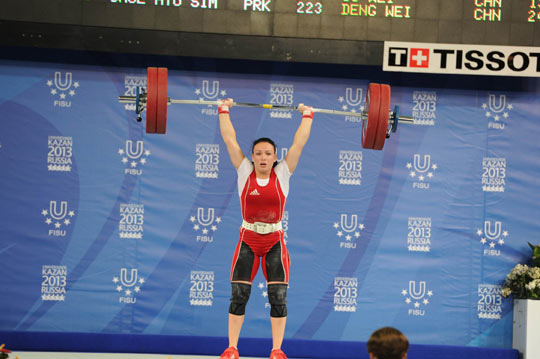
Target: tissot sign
[461, 59]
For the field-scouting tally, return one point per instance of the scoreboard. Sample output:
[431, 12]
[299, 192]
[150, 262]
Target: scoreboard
[332, 31]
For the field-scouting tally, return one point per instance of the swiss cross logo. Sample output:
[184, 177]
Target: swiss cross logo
[419, 58]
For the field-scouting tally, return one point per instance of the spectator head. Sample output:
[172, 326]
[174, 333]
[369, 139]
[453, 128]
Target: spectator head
[387, 343]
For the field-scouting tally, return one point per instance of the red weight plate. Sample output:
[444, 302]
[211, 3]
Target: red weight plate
[161, 112]
[369, 130]
[151, 99]
[384, 114]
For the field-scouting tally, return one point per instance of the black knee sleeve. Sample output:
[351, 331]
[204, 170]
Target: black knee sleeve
[277, 297]
[239, 298]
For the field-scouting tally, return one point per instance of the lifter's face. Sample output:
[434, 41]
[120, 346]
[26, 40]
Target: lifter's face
[263, 157]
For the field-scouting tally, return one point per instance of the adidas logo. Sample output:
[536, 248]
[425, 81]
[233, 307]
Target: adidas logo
[255, 193]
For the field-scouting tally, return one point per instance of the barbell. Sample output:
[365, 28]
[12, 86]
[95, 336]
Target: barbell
[378, 120]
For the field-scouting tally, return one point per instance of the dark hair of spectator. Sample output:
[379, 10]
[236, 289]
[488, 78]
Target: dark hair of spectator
[387, 343]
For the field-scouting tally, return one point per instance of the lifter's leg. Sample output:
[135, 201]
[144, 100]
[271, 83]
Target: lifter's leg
[276, 263]
[278, 331]
[235, 327]
[244, 262]
[237, 309]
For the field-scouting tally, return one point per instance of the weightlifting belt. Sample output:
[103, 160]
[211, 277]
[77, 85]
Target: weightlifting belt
[262, 228]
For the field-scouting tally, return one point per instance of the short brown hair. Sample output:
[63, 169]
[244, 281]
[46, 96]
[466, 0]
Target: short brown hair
[387, 343]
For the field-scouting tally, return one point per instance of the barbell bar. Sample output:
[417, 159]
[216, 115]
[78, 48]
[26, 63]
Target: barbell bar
[378, 121]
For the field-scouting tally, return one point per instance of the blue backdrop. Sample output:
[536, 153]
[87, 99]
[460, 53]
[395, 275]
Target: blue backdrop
[105, 229]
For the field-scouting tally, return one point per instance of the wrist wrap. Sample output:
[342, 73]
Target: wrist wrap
[223, 109]
[308, 113]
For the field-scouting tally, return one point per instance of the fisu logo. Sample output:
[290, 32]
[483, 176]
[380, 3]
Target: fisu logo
[56, 216]
[421, 169]
[62, 83]
[206, 222]
[417, 295]
[135, 155]
[352, 102]
[492, 235]
[347, 228]
[55, 213]
[497, 108]
[493, 106]
[128, 284]
[130, 152]
[210, 92]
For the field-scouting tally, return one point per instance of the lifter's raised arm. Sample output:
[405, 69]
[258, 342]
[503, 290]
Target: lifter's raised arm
[228, 133]
[300, 137]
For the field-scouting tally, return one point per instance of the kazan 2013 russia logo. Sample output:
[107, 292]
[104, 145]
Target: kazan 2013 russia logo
[281, 94]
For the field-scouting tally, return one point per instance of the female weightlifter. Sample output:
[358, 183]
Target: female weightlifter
[263, 186]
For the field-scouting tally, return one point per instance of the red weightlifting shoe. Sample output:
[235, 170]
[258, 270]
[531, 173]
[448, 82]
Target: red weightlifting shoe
[277, 354]
[230, 353]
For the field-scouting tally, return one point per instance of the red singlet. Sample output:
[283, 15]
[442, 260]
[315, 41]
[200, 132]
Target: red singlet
[265, 203]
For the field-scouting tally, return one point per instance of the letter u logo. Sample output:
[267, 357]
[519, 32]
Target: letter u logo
[129, 149]
[205, 221]
[349, 227]
[492, 234]
[54, 211]
[349, 96]
[417, 294]
[424, 166]
[128, 282]
[497, 107]
[206, 90]
[62, 85]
